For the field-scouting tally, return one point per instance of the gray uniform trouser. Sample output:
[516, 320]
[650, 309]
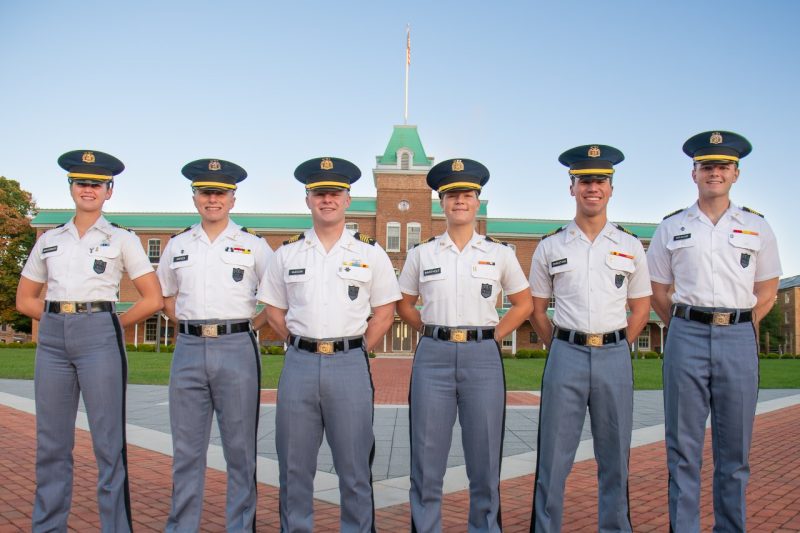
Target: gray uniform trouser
[576, 377]
[449, 378]
[80, 354]
[331, 394]
[219, 375]
[709, 367]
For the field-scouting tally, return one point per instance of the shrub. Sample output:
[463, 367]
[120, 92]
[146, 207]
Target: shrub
[25, 345]
[524, 354]
[372, 355]
[276, 350]
[146, 348]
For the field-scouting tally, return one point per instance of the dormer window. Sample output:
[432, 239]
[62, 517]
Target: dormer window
[404, 157]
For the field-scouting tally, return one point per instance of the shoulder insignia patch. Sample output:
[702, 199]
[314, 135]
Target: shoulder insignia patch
[365, 238]
[247, 230]
[752, 211]
[625, 230]
[674, 213]
[295, 238]
[120, 227]
[492, 239]
[557, 230]
[184, 230]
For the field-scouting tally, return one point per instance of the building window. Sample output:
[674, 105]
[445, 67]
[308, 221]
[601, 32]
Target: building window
[150, 327]
[643, 342]
[785, 318]
[786, 297]
[392, 236]
[405, 161]
[154, 250]
[508, 341]
[351, 226]
[534, 338]
[413, 234]
[552, 303]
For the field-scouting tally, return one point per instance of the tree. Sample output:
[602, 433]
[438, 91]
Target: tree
[17, 238]
[769, 329]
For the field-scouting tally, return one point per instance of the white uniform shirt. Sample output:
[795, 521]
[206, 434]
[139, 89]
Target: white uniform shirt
[329, 294]
[591, 281]
[714, 266]
[460, 288]
[86, 269]
[215, 280]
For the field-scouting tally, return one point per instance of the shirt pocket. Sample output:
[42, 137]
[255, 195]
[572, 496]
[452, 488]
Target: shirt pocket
[432, 282]
[485, 281]
[238, 269]
[298, 285]
[745, 249]
[620, 268]
[566, 281]
[355, 283]
[105, 260]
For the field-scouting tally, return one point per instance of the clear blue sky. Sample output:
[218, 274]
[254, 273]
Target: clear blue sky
[511, 84]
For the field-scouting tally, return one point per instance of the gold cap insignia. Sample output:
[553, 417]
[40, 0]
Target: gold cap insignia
[594, 151]
[326, 164]
[214, 165]
[716, 138]
[458, 165]
[88, 157]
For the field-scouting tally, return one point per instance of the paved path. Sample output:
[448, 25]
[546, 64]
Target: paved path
[774, 494]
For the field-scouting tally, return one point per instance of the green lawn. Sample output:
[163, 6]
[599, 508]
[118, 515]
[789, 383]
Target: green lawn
[521, 374]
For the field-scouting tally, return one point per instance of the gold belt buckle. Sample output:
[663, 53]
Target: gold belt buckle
[68, 307]
[594, 339]
[458, 335]
[721, 319]
[210, 330]
[325, 347]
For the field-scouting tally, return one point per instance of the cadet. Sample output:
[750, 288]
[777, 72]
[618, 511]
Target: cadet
[722, 261]
[210, 273]
[593, 268]
[319, 291]
[81, 342]
[458, 367]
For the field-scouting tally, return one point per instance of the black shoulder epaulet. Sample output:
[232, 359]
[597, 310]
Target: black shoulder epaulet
[295, 238]
[251, 232]
[120, 227]
[674, 213]
[492, 239]
[61, 225]
[557, 230]
[365, 238]
[752, 211]
[182, 231]
[625, 230]
[429, 240]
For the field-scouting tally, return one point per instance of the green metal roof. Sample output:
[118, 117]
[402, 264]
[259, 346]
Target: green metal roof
[404, 137]
[534, 227]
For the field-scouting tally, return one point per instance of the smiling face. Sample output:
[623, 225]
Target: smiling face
[328, 206]
[460, 207]
[714, 179]
[591, 195]
[213, 204]
[90, 197]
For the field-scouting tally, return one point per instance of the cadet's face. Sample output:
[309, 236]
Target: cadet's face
[90, 196]
[213, 205]
[714, 179]
[328, 206]
[591, 195]
[460, 207]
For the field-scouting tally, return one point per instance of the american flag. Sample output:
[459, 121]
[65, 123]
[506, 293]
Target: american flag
[408, 46]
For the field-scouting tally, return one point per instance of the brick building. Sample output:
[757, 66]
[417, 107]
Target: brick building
[789, 305]
[403, 213]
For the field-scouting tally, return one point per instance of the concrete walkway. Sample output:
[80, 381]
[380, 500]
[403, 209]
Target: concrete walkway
[774, 493]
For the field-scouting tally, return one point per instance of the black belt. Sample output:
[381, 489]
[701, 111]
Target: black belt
[590, 339]
[724, 318]
[79, 307]
[457, 334]
[213, 330]
[324, 347]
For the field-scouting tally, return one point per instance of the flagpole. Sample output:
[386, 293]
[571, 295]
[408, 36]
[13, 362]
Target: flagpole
[408, 63]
